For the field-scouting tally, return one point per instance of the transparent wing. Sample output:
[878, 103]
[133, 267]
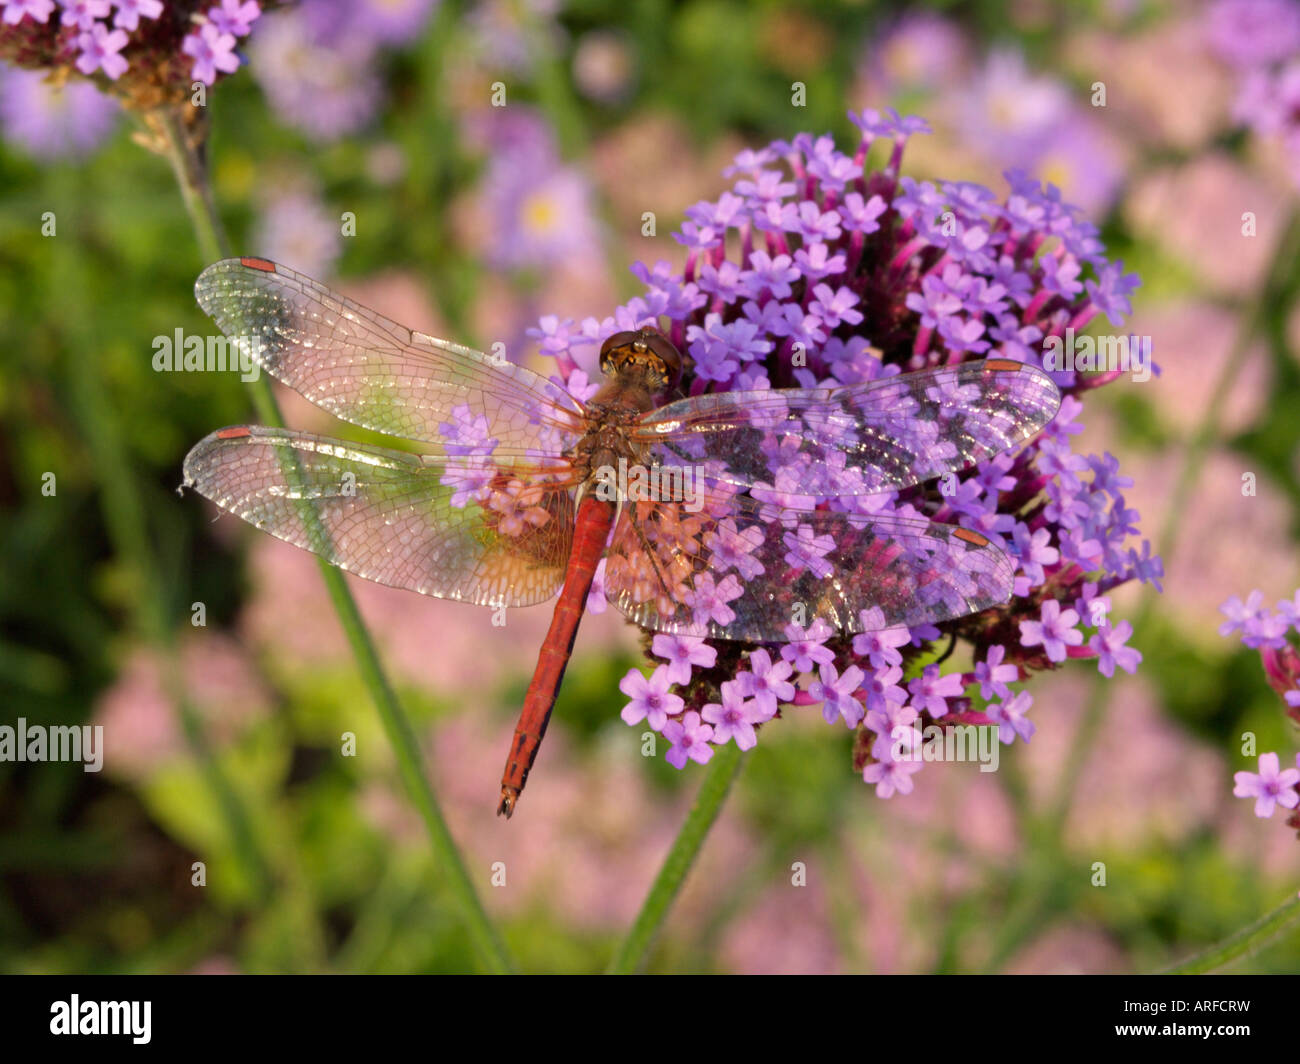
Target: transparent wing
[859, 440]
[743, 569]
[460, 527]
[373, 372]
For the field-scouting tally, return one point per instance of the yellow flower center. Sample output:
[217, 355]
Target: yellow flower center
[1055, 170]
[539, 214]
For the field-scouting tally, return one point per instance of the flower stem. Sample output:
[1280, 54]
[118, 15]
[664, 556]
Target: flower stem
[723, 770]
[191, 175]
[124, 517]
[1248, 940]
[410, 763]
[189, 167]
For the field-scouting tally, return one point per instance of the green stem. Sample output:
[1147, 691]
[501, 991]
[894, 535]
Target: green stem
[187, 164]
[1248, 940]
[723, 770]
[189, 167]
[124, 517]
[410, 763]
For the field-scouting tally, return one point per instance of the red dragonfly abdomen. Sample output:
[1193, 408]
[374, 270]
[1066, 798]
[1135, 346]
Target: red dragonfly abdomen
[591, 529]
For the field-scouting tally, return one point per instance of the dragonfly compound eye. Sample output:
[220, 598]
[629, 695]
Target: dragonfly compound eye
[664, 354]
[612, 353]
[646, 352]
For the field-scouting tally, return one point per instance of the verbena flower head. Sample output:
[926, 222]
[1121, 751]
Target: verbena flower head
[539, 208]
[1253, 33]
[920, 51]
[1260, 39]
[514, 35]
[147, 53]
[294, 225]
[816, 270]
[1273, 633]
[53, 121]
[316, 62]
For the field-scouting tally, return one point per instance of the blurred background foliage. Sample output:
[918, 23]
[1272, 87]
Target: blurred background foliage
[472, 222]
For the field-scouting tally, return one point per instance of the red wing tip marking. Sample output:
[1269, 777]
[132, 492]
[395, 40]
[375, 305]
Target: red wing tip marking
[1003, 363]
[236, 433]
[967, 534]
[265, 265]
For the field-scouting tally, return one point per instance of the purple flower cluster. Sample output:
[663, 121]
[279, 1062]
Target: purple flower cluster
[53, 121]
[317, 60]
[1032, 121]
[1260, 39]
[538, 208]
[514, 35]
[921, 50]
[816, 271]
[211, 43]
[1270, 632]
[996, 105]
[148, 52]
[1249, 34]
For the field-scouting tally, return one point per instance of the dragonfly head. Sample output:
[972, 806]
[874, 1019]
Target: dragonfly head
[646, 353]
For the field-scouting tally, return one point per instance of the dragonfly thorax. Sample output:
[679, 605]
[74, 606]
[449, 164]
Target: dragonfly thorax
[607, 441]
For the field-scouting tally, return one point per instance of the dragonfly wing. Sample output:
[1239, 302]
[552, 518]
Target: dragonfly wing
[858, 440]
[366, 369]
[743, 569]
[453, 528]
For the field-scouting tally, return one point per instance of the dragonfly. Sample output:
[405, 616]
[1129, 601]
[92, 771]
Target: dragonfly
[720, 515]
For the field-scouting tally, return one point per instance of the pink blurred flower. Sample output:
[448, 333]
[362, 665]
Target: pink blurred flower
[1195, 212]
[141, 727]
[921, 51]
[789, 931]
